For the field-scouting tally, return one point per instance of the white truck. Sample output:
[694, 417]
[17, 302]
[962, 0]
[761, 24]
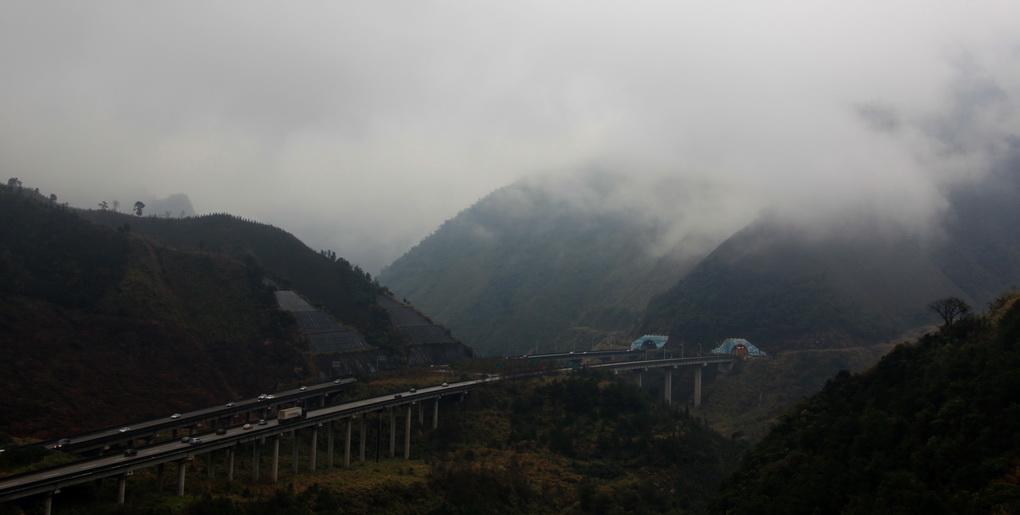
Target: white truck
[290, 415]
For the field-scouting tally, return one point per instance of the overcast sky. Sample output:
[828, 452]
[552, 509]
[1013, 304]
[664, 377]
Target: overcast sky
[362, 126]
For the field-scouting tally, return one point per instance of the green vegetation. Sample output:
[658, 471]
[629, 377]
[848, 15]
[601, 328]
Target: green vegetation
[746, 402]
[932, 428]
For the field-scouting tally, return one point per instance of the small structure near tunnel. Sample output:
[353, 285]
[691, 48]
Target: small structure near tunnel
[737, 347]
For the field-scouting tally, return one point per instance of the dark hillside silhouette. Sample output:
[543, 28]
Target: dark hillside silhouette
[99, 326]
[930, 429]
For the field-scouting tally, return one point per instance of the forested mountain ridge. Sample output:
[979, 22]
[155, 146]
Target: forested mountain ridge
[931, 428]
[328, 281]
[530, 267]
[99, 326]
[862, 281]
[181, 312]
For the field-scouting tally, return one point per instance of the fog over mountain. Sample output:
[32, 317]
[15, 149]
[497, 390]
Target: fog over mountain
[362, 126]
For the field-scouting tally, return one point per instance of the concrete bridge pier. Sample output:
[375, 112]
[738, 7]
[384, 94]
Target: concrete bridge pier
[294, 451]
[393, 433]
[230, 465]
[347, 445]
[257, 445]
[315, 445]
[182, 467]
[47, 505]
[378, 435]
[435, 414]
[159, 477]
[211, 464]
[274, 473]
[364, 431]
[121, 488]
[697, 386]
[668, 387]
[407, 434]
[329, 444]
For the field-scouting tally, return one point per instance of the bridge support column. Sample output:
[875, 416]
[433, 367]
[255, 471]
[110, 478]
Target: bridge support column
[329, 444]
[315, 445]
[257, 445]
[407, 434]
[47, 504]
[697, 386]
[182, 467]
[230, 465]
[378, 436]
[364, 432]
[274, 473]
[669, 387]
[393, 434]
[211, 465]
[121, 488]
[159, 477]
[639, 375]
[435, 414]
[294, 451]
[347, 445]
[421, 415]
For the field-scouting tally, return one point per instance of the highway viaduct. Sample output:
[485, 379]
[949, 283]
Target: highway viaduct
[48, 482]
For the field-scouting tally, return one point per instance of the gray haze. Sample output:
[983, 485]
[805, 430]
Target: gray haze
[360, 126]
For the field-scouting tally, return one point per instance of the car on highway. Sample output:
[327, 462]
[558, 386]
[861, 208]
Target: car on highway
[246, 427]
[221, 431]
[63, 442]
[186, 439]
[230, 404]
[125, 429]
[262, 422]
[303, 388]
[263, 397]
[130, 452]
[444, 385]
[175, 416]
[195, 441]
